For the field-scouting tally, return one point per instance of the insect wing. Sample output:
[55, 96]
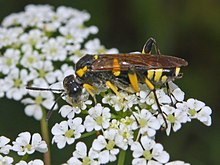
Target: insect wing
[106, 62]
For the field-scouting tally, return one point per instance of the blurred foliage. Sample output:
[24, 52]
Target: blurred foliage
[184, 28]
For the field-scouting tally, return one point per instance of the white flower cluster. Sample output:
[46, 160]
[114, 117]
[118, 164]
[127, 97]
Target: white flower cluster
[129, 124]
[25, 144]
[39, 47]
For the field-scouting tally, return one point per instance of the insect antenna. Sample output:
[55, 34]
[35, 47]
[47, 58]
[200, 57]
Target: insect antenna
[49, 113]
[62, 91]
[148, 46]
[45, 89]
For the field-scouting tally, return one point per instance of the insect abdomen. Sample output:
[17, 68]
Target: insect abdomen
[162, 75]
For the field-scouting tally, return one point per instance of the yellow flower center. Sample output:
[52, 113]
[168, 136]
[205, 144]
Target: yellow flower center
[69, 133]
[86, 161]
[28, 146]
[192, 112]
[110, 145]
[99, 120]
[171, 118]
[38, 100]
[147, 155]
[17, 83]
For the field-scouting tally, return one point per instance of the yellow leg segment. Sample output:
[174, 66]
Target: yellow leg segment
[149, 84]
[113, 88]
[134, 81]
[91, 89]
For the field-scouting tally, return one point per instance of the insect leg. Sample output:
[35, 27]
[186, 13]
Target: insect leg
[169, 93]
[113, 88]
[133, 78]
[152, 88]
[91, 89]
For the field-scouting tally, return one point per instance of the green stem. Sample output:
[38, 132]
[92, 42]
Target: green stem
[121, 158]
[24, 157]
[45, 135]
[88, 134]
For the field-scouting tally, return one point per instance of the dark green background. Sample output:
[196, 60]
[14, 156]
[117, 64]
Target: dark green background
[185, 28]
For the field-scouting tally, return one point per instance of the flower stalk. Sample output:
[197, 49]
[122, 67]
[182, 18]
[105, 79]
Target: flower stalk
[121, 158]
[45, 135]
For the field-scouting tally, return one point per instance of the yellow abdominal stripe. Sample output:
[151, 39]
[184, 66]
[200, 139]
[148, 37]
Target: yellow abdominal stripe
[158, 74]
[164, 78]
[150, 74]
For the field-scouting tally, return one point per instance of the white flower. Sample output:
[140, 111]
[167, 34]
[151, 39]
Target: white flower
[70, 111]
[53, 49]
[98, 118]
[32, 162]
[4, 146]
[147, 122]
[177, 162]
[64, 71]
[124, 131]
[123, 136]
[15, 84]
[194, 106]
[174, 118]
[129, 121]
[80, 156]
[44, 70]
[196, 109]
[104, 146]
[35, 104]
[148, 152]
[9, 60]
[75, 52]
[31, 57]
[25, 144]
[9, 36]
[149, 98]
[34, 37]
[6, 160]
[67, 132]
[178, 94]
[94, 46]
[204, 115]
[125, 102]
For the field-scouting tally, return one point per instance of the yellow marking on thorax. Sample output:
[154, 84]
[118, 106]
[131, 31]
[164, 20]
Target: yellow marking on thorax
[158, 73]
[177, 71]
[116, 67]
[134, 81]
[164, 78]
[149, 84]
[150, 74]
[81, 71]
[96, 57]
